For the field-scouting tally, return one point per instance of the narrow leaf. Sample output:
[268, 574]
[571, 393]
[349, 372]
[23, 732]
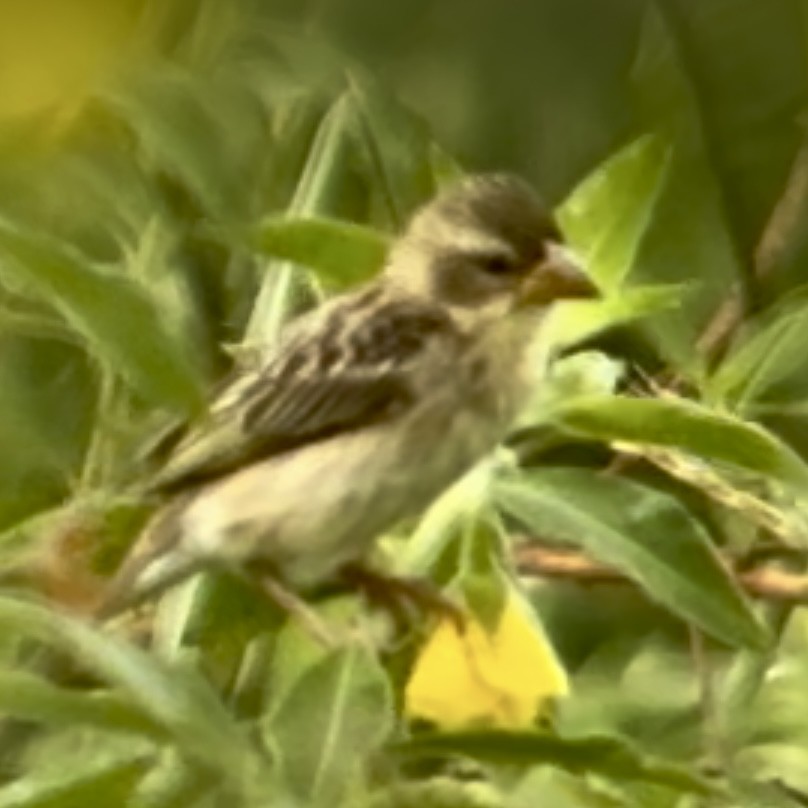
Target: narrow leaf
[318, 191]
[112, 784]
[686, 425]
[576, 321]
[769, 354]
[186, 132]
[30, 698]
[608, 756]
[398, 147]
[116, 316]
[607, 215]
[646, 534]
[179, 701]
[341, 253]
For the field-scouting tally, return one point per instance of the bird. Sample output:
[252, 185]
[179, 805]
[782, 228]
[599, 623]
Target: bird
[370, 405]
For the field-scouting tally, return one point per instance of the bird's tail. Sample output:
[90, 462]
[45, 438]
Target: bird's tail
[157, 562]
[133, 586]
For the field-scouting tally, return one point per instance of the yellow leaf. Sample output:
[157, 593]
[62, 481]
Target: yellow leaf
[472, 676]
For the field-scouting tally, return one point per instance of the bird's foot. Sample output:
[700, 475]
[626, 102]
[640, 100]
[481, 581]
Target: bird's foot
[399, 595]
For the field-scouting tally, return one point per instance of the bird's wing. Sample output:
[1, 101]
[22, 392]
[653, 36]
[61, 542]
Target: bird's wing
[344, 370]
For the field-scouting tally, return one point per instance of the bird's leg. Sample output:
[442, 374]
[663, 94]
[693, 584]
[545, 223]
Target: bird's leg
[297, 608]
[395, 593]
[266, 580]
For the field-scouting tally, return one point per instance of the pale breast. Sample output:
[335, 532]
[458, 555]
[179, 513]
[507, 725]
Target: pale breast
[310, 510]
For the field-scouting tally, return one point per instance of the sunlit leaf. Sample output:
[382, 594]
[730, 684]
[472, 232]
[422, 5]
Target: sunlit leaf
[575, 321]
[683, 424]
[583, 373]
[341, 253]
[606, 216]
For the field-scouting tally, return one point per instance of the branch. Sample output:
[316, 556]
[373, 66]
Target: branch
[766, 583]
[771, 253]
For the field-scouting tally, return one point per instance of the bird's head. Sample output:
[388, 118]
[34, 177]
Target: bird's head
[487, 247]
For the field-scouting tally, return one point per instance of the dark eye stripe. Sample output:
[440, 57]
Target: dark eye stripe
[498, 265]
[461, 280]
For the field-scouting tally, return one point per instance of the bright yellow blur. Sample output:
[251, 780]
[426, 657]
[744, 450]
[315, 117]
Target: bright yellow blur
[54, 52]
[476, 677]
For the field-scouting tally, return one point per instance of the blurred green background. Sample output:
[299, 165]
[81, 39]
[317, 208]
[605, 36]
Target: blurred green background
[133, 129]
[178, 178]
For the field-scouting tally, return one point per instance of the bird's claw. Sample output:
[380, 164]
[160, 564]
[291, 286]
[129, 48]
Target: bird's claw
[396, 593]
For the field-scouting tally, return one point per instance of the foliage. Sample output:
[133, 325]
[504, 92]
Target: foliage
[191, 176]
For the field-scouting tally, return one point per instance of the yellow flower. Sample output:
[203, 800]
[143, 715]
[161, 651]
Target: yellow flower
[476, 676]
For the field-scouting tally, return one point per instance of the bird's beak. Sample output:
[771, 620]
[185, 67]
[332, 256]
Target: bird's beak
[557, 277]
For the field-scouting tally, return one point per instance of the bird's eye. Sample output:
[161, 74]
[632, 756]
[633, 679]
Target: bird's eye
[497, 264]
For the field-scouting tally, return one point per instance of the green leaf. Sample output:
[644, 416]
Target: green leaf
[186, 128]
[398, 147]
[317, 193]
[341, 253]
[580, 374]
[575, 321]
[338, 713]
[693, 77]
[754, 793]
[693, 74]
[34, 325]
[685, 425]
[180, 701]
[604, 755]
[646, 534]
[607, 215]
[116, 316]
[771, 353]
[173, 783]
[552, 786]
[295, 652]
[28, 697]
[440, 792]
[482, 578]
[762, 719]
[108, 785]
[443, 526]
[445, 168]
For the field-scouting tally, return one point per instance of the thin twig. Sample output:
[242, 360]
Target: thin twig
[299, 610]
[787, 215]
[765, 583]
